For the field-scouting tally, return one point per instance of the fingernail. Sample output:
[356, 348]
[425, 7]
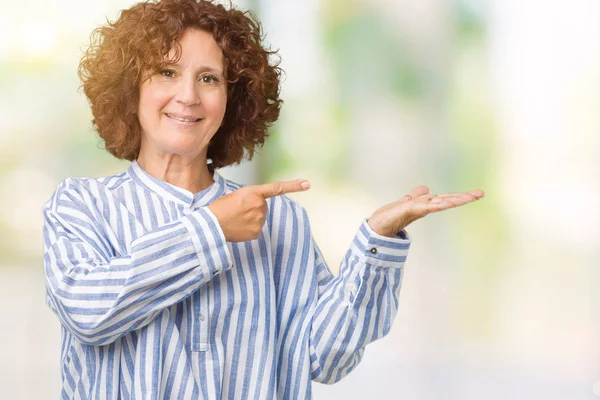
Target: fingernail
[305, 185]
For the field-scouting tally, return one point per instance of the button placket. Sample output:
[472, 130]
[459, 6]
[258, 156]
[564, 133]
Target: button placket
[201, 321]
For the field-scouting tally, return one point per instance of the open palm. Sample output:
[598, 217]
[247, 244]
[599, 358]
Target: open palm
[392, 218]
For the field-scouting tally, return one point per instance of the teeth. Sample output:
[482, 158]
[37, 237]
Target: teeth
[182, 119]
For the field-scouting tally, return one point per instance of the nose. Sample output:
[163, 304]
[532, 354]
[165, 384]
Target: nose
[187, 92]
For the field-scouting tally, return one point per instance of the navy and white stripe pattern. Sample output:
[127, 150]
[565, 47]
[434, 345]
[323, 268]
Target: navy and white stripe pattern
[155, 303]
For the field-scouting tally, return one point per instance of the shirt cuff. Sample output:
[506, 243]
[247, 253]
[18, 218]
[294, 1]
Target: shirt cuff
[209, 240]
[382, 251]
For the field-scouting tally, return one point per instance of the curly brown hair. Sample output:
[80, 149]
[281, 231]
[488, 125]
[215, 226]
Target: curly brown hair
[120, 53]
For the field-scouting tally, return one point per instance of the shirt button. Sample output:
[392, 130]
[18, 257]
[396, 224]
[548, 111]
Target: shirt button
[373, 250]
[215, 272]
[201, 317]
[350, 295]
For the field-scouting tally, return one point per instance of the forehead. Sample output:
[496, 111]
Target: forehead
[198, 47]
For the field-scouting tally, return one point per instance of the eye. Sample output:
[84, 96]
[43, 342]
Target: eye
[167, 73]
[209, 79]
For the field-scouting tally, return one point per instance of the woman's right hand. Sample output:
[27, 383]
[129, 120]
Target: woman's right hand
[242, 213]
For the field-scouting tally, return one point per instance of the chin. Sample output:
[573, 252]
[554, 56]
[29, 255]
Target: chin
[175, 143]
[189, 149]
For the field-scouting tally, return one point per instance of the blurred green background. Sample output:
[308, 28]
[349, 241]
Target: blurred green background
[500, 299]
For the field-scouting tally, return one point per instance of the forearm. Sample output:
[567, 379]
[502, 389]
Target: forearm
[358, 312]
[101, 301]
[358, 306]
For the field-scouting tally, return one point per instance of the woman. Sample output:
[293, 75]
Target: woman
[171, 282]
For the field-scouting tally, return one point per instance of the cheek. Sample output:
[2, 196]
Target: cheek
[215, 103]
[151, 102]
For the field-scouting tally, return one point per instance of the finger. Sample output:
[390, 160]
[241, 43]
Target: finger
[418, 191]
[448, 194]
[414, 193]
[428, 198]
[278, 188]
[431, 203]
[436, 202]
[451, 200]
[419, 209]
[476, 193]
[435, 199]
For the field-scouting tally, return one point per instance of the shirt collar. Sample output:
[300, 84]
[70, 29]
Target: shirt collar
[175, 193]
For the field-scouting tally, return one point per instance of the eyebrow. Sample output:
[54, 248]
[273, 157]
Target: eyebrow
[204, 68]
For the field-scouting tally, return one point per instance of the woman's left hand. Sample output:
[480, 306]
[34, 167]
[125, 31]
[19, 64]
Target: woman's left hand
[392, 218]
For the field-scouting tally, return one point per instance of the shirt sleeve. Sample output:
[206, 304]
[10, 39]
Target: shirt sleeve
[357, 306]
[100, 297]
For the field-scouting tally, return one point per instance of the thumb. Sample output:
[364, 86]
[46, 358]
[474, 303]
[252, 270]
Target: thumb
[278, 188]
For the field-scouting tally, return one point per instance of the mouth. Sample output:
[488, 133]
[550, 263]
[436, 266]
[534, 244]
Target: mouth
[183, 120]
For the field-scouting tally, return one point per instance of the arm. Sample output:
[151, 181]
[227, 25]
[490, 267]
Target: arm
[358, 306]
[100, 297]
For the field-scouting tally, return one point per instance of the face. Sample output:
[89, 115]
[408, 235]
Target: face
[182, 106]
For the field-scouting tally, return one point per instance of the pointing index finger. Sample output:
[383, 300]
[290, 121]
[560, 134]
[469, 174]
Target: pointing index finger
[278, 188]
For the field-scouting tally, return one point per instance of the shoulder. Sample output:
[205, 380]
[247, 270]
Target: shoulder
[231, 186]
[74, 190]
[284, 201]
[283, 211]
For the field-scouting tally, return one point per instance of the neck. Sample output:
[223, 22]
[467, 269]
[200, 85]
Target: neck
[192, 175]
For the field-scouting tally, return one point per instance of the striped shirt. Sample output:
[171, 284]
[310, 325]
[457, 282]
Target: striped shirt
[154, 303]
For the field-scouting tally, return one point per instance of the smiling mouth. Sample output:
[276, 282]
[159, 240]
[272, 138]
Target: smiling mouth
[181, 119]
